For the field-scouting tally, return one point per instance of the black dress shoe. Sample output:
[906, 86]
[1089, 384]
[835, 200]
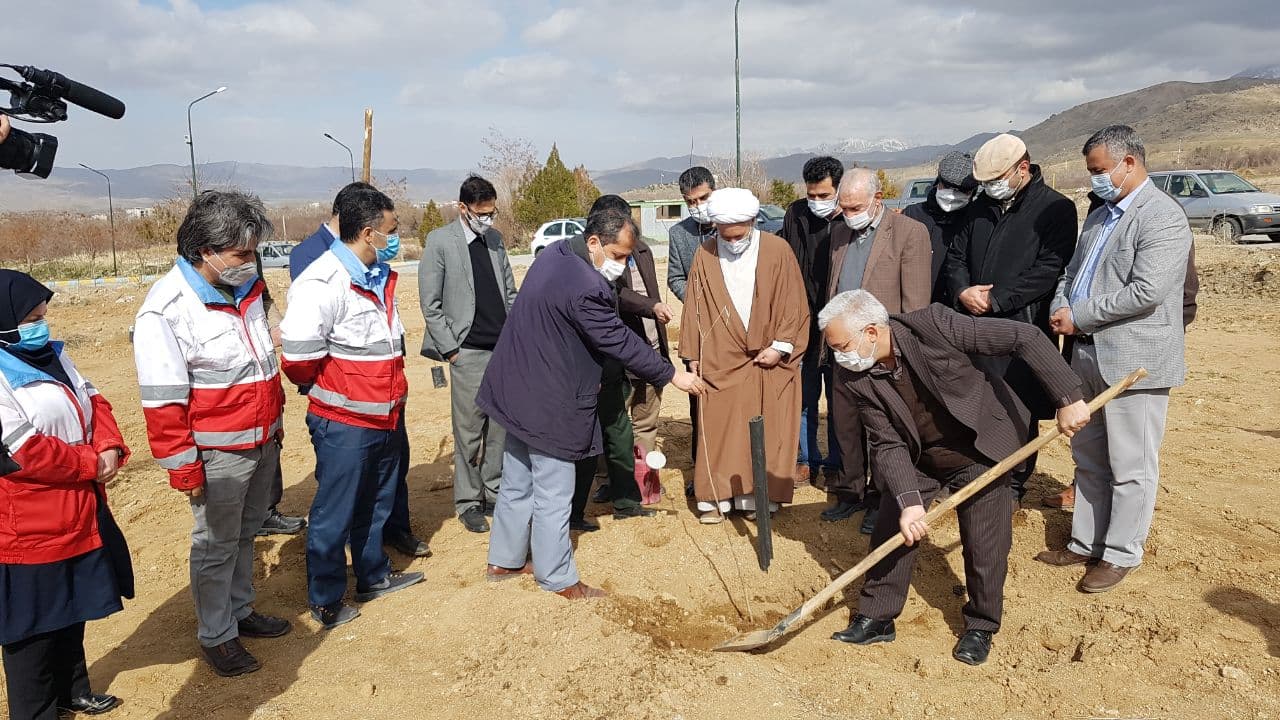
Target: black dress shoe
[473, 520]
[973, 647]
[583, 525]
[91, 704]
[258, 625]
[865, 631]
[601, 495]
[408, 545]
[488, 509]
[230, 658]
[277, 524]
[869, 518]
[633, 512]
[841, 510]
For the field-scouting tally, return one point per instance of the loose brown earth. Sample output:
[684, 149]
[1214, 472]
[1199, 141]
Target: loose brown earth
[1195, 633]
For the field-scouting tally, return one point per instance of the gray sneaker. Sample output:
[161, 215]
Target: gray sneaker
[392, 582]
[334, 615]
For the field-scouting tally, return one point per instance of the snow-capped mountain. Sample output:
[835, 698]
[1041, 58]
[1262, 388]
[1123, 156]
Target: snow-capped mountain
[1260, 72]
[853, 146]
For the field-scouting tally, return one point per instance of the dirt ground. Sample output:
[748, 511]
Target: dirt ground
[1195, 633]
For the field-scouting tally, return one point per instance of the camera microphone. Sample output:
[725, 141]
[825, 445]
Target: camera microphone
[78, 93]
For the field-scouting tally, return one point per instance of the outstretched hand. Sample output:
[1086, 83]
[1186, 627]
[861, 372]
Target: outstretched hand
[688, 382]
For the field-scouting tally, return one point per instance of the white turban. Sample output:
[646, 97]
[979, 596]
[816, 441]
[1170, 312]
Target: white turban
[732, 205]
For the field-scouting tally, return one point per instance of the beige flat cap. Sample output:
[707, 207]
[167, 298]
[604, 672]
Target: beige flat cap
[996, 156]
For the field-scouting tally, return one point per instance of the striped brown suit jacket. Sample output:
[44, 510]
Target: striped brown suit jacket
[937, 342]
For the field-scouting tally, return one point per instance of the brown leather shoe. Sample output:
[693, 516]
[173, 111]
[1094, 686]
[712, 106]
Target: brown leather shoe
[1063, 558]
[1065, 500]
[495, 573]
[1103, 576]
[802, 475]
[580, 592]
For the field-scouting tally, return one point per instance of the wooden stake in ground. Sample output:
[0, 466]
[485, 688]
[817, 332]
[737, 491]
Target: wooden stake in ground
[366, 173]
[760, 638]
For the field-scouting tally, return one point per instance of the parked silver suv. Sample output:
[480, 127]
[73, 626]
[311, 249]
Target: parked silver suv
[1222, 202]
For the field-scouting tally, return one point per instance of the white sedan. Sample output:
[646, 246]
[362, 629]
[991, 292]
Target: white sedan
[556, 230]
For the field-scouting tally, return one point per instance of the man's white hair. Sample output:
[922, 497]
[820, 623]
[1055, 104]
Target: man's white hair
[860, 180]
[858, 308]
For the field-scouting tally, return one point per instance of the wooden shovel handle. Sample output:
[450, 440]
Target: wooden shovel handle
[817, 601]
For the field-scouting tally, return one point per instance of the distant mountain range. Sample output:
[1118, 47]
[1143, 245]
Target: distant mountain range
[1172, 112]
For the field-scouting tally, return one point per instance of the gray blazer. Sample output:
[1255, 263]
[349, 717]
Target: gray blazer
[446, 286]
[1134, 307]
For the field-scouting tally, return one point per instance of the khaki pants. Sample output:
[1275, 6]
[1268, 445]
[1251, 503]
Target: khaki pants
[645, 405]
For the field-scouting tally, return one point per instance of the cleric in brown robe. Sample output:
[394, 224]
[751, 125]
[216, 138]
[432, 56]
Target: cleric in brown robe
[744, 330]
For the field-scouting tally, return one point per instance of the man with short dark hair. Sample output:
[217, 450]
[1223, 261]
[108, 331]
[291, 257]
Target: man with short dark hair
[696, 185]
[546, 400]
[466, 288]
[213, 404]
[1017, 238]
[807, 228]
[342, 335]
[1121, 302]
[318, 242]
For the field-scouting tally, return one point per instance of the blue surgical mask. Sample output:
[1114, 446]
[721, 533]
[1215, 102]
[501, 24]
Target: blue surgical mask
[389, 253]
[32, 335]
[1104, 188]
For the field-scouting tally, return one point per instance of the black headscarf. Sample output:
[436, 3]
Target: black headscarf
[19, 295]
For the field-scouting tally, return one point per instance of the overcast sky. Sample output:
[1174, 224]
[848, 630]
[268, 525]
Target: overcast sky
[612, 82]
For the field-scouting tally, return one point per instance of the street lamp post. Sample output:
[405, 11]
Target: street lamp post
[350, 155]
[191, 140]
[111, 217]
[737, 94]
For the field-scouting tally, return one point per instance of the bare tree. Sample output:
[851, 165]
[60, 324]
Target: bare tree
[509, 164]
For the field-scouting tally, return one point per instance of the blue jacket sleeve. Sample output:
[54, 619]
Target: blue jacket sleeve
[599, 324]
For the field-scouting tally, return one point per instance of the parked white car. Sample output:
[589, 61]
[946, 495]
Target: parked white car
[556, 230]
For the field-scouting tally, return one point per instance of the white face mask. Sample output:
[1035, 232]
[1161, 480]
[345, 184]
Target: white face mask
[951, 199]
[479, 224]
[858, 222]
[999, 189]
[854, 361]
[701, 213]
[235, 276]
[612, 269]
[823, 208]
[739, 246]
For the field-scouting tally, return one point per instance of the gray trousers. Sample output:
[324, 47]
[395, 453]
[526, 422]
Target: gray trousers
[533, 514]
[228, 514]
[1117, 458]
[475, 479]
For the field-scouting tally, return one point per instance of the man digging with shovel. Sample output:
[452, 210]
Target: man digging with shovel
[935, 421]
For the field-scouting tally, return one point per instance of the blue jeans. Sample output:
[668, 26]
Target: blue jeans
[357, 470]
[812, 378]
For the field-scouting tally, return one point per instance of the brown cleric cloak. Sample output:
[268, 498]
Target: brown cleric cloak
[712, 333]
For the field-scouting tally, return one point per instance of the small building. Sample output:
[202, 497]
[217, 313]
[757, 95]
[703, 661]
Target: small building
[655, 217]
[138, 212]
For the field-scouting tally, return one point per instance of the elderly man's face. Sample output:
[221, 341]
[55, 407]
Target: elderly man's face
[733, 232]
[859, 199]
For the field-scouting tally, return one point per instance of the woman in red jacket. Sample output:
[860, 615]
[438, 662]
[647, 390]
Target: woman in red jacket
[63, 560]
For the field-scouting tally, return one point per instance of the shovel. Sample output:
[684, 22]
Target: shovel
[790, 623]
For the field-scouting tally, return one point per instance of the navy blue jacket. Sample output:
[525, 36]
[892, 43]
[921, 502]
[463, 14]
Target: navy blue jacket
[543, 381]
[309, 250]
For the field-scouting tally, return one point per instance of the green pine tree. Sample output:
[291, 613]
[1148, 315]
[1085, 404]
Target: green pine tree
[432, 218]
[551, 194]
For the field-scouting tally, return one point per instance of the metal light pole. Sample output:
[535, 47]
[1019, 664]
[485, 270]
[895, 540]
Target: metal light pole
[191, 140]
[737, 92]
[349, 154]
[111, 216]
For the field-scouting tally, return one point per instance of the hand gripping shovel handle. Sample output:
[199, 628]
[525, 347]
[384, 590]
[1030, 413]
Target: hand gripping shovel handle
[813, 604]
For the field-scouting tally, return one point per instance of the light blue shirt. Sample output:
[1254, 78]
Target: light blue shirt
[373, 278]
[1084, 278]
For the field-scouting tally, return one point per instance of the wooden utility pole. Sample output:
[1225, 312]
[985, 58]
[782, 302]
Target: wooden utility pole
[368, 145]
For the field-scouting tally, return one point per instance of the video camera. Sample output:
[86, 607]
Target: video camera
[41, 100]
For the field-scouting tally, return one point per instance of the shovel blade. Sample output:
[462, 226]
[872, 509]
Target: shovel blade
[749, 641]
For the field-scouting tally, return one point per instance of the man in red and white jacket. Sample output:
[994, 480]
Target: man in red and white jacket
[342, 336]
[213, 402]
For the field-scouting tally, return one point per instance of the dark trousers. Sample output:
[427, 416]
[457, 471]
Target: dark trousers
[398, 523]
[1019, 477]
[693, 424]
[619, 447]
[986, 534]
[851, 483]
[357, 470]
[812, 378]
[45, 671]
